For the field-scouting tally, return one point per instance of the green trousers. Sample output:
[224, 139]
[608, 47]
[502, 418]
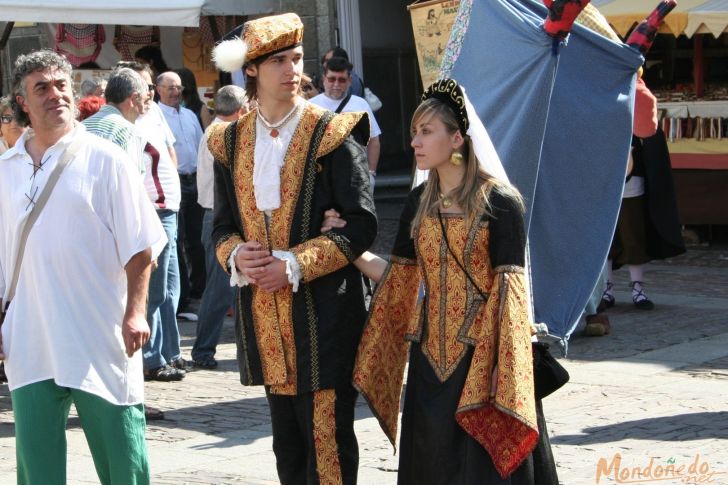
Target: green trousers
[115, 435]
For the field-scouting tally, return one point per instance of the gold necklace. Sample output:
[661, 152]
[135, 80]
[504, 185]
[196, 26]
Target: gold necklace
[445, 201]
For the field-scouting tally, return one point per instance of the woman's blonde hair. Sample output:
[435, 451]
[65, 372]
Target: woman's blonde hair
[473, 194]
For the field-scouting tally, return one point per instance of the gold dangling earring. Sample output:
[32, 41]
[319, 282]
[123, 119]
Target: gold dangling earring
[456, 158]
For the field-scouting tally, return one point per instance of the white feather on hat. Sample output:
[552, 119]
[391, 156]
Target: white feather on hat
[229, 55]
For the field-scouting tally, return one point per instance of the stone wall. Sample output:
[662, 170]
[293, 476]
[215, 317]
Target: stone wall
[22, 41]
[319, 20]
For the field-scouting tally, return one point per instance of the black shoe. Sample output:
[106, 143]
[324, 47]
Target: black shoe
[180, 364]
[205, 363]
[164, 374]
[153, 414]
[644, 305]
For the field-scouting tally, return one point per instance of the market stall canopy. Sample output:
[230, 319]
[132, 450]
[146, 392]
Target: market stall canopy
[689, 17]
[180, 13]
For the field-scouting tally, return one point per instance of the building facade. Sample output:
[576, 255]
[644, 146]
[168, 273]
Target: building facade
[377, 34]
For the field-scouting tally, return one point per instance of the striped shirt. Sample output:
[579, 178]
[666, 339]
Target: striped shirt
[110, 124]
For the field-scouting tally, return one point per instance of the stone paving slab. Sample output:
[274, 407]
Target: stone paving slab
[655, 388]
[714, 369]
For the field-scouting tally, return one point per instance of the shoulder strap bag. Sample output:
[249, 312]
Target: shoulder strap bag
[68, 154]
[343, 103]
[470, 278]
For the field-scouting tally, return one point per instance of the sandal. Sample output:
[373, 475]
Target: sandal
[639, 298]
[153, 414]
[608, 297]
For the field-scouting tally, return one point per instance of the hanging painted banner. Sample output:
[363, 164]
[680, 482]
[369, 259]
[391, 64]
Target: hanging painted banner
[431, 24]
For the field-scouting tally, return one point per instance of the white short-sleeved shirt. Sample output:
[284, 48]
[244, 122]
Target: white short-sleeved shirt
[355, 104]
[160, 178]
[65, 320]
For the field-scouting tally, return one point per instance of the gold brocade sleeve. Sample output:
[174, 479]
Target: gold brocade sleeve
[319, 256]
[382, 353]
[224, 249]
[505, 425]
[216, 142]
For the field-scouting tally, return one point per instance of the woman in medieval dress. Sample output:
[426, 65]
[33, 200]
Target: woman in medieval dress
[454, 292]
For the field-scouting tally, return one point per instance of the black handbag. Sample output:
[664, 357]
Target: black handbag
[548, 374]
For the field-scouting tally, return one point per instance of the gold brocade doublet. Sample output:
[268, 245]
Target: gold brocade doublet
[280, 332]
[453, 303]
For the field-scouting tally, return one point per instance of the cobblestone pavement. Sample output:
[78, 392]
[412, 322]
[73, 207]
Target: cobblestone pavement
[654, 389]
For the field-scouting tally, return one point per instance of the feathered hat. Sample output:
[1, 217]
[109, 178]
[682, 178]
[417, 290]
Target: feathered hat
[259, 38]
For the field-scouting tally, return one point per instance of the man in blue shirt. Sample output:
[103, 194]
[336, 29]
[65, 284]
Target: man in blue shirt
[187, 133]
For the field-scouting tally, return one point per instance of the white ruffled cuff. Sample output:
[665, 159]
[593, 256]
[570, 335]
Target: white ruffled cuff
[293, 270]
[236, 278]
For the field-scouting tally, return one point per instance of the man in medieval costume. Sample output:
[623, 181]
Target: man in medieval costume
[300, 308]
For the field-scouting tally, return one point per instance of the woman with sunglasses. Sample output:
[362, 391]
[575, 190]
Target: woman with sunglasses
[10, 130]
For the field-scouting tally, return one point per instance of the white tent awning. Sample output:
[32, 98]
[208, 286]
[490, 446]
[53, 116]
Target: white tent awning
[181, 13]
